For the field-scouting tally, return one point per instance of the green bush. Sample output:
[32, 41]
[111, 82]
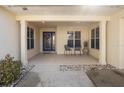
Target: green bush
[9, 70]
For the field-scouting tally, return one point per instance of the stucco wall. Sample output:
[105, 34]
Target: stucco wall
[121, 37]
[115, 43]
[112, 43]
[36, 49]
[62, 35]
[9, 34]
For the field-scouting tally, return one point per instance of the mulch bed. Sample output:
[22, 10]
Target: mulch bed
[105, 76]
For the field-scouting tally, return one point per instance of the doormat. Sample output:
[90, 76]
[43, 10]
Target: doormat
[106, 78]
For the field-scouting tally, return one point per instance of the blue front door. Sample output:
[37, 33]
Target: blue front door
[48, 41]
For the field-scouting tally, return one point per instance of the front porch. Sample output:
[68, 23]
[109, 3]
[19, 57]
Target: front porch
[36, 37]
[34, 40]
[47, 73]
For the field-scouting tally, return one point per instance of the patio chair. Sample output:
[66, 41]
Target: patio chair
[67, 49]
[77, 49]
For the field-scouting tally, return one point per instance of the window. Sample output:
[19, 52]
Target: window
[77, 39]
[74, 39]
[70, 39]
[95, 38]
[92, 38]
[30, 38]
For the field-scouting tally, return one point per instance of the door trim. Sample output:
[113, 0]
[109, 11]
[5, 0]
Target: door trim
[48, 51]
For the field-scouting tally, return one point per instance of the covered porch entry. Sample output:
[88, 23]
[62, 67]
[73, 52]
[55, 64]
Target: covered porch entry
[61, 29]
[48, 65]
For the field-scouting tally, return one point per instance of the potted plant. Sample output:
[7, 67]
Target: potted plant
[85, 49]
[85, 44]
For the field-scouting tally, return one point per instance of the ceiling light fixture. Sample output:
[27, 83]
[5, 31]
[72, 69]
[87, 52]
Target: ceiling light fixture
[25, 8]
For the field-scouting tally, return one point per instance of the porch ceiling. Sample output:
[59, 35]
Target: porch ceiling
[64, 10]
[46, 24]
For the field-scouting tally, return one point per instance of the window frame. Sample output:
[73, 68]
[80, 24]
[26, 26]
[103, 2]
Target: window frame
[77, 39]
[30, 38]
[97, 38]
[94, 38]
[73, 38]
[70, 39]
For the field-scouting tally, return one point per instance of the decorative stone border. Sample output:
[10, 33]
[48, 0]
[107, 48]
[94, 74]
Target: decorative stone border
[70, 68]
[85, 67]
[105, 75]
[98, 67]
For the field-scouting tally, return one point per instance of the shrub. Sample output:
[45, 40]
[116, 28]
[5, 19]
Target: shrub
[9, 70]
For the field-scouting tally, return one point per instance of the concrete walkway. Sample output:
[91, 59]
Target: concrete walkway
[46, 72]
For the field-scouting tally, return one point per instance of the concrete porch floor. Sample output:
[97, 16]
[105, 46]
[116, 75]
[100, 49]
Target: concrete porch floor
[54, 59]
[46, 72]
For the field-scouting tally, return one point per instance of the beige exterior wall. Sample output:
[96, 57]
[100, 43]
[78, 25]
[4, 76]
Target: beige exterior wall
[93, 52]
[112, 43]
[36, 50]
[62, 36]
[115, 40]
[121, 37]
[9, 34]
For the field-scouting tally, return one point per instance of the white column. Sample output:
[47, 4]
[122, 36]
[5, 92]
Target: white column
[24, 42]
[102, 56]
[121, 44]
